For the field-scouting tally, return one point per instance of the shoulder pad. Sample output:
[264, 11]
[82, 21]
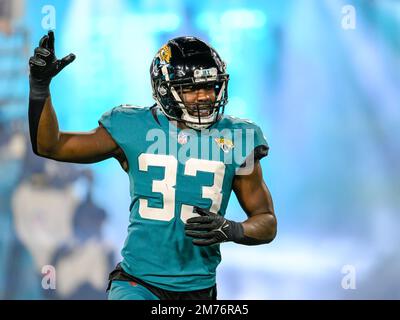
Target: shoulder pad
[235, 121]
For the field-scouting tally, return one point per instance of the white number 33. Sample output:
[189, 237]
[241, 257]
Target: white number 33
[167, 185]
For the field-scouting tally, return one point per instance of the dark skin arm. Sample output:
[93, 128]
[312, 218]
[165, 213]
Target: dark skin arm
[78, 147]
[255, 199]
[46, 138]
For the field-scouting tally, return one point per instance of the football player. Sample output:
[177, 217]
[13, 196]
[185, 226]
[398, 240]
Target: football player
[180, 188]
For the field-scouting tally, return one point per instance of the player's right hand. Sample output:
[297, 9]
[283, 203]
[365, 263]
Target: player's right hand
[43, 64]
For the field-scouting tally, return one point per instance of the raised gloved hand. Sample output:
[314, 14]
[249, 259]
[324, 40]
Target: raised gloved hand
[211, 228]
[44, 66]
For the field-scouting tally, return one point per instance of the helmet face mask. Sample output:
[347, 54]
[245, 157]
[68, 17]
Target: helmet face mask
[185, 66]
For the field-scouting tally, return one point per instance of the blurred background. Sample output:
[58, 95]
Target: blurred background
[321, 78]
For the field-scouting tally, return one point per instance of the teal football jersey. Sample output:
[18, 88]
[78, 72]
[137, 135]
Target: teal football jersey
[170, 171]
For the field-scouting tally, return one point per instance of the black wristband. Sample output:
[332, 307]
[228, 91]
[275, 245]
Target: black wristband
[38, 93]
[39, 89]
[238, 236]
[34, 113]
[236, 231]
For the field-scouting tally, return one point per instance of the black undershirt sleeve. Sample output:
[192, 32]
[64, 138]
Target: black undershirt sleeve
[37, 97]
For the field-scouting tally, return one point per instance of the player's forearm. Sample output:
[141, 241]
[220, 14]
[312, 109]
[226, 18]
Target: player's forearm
[259, 229]
[43, 66]
[43, 125]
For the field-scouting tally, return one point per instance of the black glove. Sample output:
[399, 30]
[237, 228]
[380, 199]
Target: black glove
[212, 228]
[44, 66]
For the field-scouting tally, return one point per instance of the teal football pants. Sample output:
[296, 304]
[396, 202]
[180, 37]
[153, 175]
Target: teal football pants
[127, 290]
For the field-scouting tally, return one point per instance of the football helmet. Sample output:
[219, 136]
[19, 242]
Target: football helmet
[186, 64]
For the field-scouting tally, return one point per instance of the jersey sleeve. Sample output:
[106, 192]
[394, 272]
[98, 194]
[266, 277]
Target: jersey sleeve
[253, 146]
[261, 147]
[106, 120]
[117, 122]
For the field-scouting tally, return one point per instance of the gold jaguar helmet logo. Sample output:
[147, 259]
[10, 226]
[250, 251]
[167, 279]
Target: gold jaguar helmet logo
[165, 53]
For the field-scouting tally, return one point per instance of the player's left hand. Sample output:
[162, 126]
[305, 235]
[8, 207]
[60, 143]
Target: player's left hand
[211, 228]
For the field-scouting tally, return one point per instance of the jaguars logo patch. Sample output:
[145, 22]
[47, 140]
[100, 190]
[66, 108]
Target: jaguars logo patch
[225, 144]
[165, 53]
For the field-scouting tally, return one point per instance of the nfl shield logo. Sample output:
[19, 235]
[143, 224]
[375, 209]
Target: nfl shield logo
[182, 138]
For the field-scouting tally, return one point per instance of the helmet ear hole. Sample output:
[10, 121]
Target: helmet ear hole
[162, 90]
